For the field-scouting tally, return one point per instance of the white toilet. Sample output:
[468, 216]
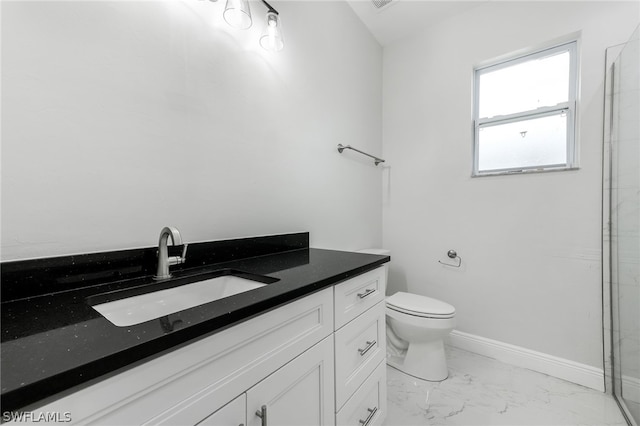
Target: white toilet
[416, 328]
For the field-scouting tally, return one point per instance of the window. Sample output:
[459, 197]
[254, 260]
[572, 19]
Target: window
[524, 113]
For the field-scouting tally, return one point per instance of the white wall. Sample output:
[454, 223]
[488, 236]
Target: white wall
[119, 118]
[530, 244]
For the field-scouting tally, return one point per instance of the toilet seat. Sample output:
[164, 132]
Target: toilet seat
[420, 306]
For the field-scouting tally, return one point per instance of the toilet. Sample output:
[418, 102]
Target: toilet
[416, 328]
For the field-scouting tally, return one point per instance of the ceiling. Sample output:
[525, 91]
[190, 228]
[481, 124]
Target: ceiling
[401, 18]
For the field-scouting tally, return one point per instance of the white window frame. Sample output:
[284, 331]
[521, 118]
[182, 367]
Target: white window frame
[568, 107]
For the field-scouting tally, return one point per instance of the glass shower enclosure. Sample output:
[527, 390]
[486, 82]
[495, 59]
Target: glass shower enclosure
[621, 213]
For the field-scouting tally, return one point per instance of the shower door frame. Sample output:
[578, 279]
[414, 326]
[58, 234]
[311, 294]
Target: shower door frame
[609, 269]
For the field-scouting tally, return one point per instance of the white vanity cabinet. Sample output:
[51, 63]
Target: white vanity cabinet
[295, 395]
[361, 346]
[232, 414]
[187, 385]
[305, 362]
[298, 394]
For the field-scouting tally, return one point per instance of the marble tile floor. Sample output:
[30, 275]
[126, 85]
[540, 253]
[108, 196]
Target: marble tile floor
[634, 408]
[483, 391]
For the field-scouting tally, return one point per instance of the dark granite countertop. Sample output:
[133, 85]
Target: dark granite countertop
[54, 342]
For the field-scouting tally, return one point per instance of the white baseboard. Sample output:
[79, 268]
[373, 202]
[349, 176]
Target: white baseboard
[565, 369]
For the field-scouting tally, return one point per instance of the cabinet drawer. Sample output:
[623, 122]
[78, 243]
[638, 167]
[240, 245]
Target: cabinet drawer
[358, 294]
[368, 406]
[360, 346]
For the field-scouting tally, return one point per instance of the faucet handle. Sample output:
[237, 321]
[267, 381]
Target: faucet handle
[177, 260]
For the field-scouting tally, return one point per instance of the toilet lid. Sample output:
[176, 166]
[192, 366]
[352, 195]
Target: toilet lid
[415, 304]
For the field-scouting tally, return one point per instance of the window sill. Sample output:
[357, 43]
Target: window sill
[522, 172]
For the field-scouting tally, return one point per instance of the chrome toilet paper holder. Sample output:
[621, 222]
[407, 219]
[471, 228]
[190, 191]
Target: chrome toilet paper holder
[452, 254]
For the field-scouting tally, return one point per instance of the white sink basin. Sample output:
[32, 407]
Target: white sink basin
[144, 307]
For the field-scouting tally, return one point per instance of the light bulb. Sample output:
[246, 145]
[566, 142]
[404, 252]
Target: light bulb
[271, 38]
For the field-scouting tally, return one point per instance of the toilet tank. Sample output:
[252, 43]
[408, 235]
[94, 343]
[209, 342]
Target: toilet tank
[381, 251]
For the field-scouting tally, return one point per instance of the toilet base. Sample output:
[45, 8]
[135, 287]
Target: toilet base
[426, 361]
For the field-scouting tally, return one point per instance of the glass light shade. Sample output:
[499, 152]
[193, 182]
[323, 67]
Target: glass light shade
[271, 38]
[237, 14]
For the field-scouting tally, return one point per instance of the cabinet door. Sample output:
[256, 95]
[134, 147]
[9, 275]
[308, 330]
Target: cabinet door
[232, 414]
[299, 394]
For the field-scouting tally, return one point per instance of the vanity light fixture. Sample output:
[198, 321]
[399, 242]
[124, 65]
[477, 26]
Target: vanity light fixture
[238, 14]
[271, 38]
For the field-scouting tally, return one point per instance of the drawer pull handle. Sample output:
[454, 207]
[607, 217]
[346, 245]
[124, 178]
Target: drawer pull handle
[367, 348]
[366, 293]
[262, 413]
[372, 412]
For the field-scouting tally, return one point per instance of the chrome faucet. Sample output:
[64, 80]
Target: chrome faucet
[164, 261]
